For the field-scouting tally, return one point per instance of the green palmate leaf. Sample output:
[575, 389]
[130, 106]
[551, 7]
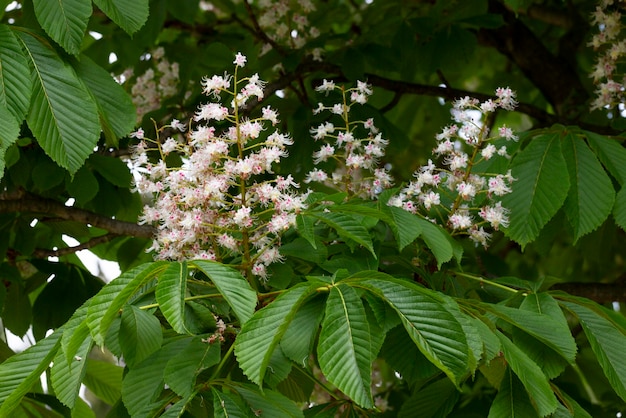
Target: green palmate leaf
[474, 340]
[105, 306]
[143, 383]
[140, 334]
[129, 15]
[67, 376]
[278, 369]
[305, 225]
[229, 406]
[9, 131]
[62, 115]
[401, 353]
[270, 403]
[198, 318]
[619, 211]
[438, 241]
[591, 194]
[345, 345]
[298, 386]
[491, 344]
[607, 343]
[536, 383]
[170, 294]
[540, 190]
[384, 314]
[40, 405]
[115, 107]
[610, 153]
[176, 410]
[64, 20]
[433, 401]
[430, 324]
[300, 248]
[550, 361]
[104, 380]
[570, 408]
[82, 410]
[84, 186]
[259, 335]
[15, 83]
[544, 303]
[182, 369]
[362, 210]
[405, 226]
[348, 228]
[298, 340]
[232, 285]
[114, 170]
[17, 315]
[15, 89]
[552, 332]
[512, 400]
[76, 332]
[21, 371]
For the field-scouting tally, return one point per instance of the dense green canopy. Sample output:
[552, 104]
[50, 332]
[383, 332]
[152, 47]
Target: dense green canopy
[358, 208]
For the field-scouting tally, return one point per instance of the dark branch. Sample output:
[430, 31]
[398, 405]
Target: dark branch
[555, 78]
[549, 15]
[598, 292]
[22, 202]
[43, 253]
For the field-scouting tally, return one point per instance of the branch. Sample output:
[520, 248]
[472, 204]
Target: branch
[555, 78]
[43, 253]
[542, 117]
[549, 15]
[22, 202]
[598, 292]
[452, 94]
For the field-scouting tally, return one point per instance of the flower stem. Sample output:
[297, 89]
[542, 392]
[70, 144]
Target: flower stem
[225, 358]
[483, 281]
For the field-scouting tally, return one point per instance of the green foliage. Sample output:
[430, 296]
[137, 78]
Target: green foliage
[260, 335]
[605, 339]
[64, 21]
[535, 199]
[571, 159]
[371, 310]
[345, 349]
[20, 372]
[129, 16]
[61, 115]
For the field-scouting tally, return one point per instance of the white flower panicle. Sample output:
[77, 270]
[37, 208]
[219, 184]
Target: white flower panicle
[610, 42]
[222, 202]
[286, 23]
[155, 85]
[464, 201]
[351, 150]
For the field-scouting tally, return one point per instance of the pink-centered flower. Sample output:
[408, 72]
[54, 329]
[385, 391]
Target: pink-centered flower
[240, 60]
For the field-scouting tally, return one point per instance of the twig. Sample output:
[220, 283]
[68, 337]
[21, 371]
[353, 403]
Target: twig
[43, 253]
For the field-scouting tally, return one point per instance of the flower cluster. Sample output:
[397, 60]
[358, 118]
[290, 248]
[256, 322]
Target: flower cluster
[611, 44]
[464, 201]
[286, 22]
[155, 85]
[222, 202]
[355, 147]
